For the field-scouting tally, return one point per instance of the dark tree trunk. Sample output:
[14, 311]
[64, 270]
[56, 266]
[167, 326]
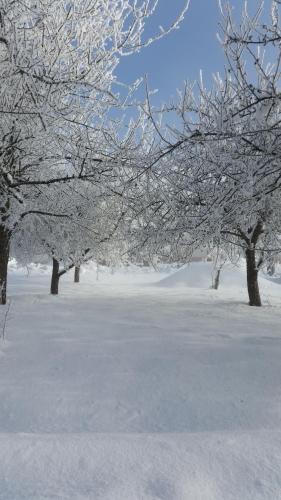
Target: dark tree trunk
[55, 277]
[252, 278]
[217, 279]
[77, 274]
[4, 259]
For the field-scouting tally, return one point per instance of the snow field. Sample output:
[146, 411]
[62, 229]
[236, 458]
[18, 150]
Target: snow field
[141, 386]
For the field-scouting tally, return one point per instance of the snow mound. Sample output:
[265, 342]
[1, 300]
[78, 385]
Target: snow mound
[199, 275]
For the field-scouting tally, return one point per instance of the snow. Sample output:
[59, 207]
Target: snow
[140, 386]
[199, 275]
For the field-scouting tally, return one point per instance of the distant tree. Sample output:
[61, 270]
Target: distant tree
[88, 220]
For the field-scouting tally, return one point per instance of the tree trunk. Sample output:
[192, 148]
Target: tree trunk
[4, 259]
[55, 277]
[77, 274]
[252, 279]
[217, 279]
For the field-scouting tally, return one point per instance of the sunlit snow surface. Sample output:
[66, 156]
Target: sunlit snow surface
[140, 386]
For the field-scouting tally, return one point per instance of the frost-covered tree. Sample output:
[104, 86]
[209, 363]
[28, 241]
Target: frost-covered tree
[57, 71]
[218, 169]
[87, 220]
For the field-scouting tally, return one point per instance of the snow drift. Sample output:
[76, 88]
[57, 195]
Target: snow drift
[199, 275]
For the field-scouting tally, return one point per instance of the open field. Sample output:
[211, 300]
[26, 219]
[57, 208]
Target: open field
[140, 386]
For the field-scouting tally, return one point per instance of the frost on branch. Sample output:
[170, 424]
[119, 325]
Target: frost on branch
[217, 172]
[57, 71]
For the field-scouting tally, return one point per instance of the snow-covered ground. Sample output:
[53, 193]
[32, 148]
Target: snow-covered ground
[140, 386]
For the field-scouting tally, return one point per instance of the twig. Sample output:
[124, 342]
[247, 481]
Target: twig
[6, 319]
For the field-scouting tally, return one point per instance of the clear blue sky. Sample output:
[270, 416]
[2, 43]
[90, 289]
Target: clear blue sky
[183, 53]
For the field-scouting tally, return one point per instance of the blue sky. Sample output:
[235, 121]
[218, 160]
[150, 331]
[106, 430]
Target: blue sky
[182, 54]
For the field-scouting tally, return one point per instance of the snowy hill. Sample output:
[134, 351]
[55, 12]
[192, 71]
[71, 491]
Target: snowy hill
[199, 275]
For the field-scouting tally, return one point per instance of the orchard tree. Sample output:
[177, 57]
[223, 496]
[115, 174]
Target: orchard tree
[87, 222]
[218, 170]
[57, 71]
